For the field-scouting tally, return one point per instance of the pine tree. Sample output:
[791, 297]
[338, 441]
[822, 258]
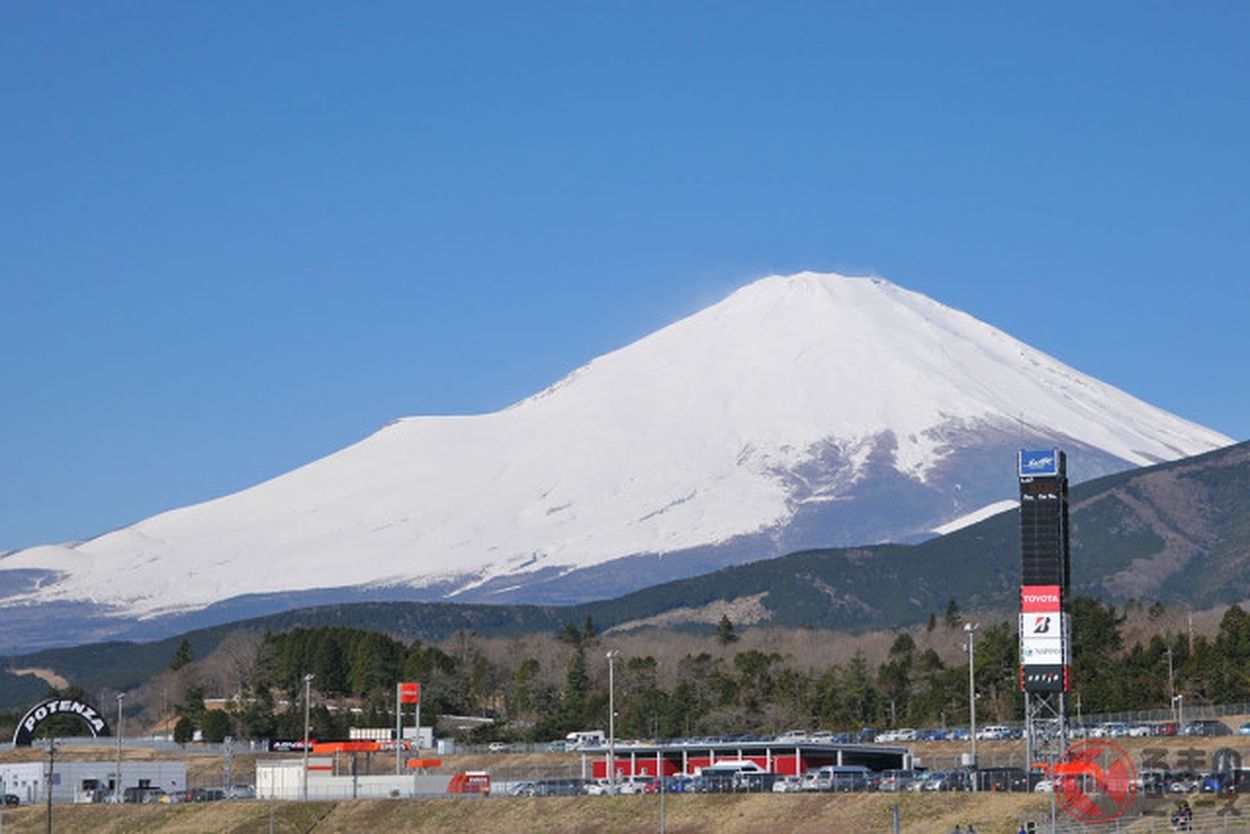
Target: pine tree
[182, 656]
[725, 633]
[184, 730]
[953, 617]
[576, 691]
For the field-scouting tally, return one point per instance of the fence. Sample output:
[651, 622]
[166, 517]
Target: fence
[1212, 822]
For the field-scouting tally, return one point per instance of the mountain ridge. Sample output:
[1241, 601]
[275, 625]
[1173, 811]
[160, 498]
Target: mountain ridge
[850, 589]
[755, 427]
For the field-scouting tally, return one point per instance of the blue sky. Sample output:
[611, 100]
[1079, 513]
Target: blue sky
[235, 237]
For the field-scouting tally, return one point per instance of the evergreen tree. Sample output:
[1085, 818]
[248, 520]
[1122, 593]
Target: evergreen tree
[184, 730]
[1096, 645]
[191, 707]
[894, 676]
[216, 727]
[182, 656]
[755, 678]
[329, 666]
[258, 719]
[952, 617]
[725, 633]
[576, 691]
[857, 691]
[571, 634]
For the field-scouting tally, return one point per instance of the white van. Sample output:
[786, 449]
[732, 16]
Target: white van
[994, 732]
[584, 739]
[728, 775]
[729, 767]
[843, 778]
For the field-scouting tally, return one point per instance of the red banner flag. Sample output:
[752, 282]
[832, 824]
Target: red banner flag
[410, 693]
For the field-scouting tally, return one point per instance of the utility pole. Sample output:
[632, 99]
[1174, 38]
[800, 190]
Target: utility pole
[117, 788]
[227, 754]
[612, 656]
[308, 679]
[970, 629]
[48, 784]
[1171, 683]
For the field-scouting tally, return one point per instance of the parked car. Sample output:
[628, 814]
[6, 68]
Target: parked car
[142, 796]
[1206, 727]
[948, 780]
[792, 735]
[994, 732]
[679, 784]
[788, 784]
[1182, 782]
[844, 778]
[11, 800]
[556, 787]
[893, 781]
[599, 787]
[1002, 779]
[522, 789]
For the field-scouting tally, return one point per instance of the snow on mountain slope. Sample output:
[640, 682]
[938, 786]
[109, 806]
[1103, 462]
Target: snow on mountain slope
[795, 397]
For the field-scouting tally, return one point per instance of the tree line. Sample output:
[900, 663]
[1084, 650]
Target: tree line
[712, 693]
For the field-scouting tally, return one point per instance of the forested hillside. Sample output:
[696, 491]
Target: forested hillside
[542, 688]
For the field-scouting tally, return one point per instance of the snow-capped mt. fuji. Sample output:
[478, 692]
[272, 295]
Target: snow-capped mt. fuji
[801, 411]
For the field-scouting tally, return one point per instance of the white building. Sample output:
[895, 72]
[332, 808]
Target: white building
[87, 781]
[284, 779]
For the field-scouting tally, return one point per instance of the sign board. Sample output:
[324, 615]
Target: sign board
[1048, 678]
[41, 712]
[1035, 464]
[1040, 599]
[410, 693]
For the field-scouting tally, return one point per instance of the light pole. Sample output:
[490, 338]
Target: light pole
[1171, 682]
[48, 784]
[117, 790]
[308, 679]
[970, 629]
[612, 656]
[1178, 704]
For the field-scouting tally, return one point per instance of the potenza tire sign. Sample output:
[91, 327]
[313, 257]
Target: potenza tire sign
[39, 713]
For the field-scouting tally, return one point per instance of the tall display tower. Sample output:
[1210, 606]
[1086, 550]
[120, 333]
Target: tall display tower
[1045, 633]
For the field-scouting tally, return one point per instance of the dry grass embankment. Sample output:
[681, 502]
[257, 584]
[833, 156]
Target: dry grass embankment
[733, 814]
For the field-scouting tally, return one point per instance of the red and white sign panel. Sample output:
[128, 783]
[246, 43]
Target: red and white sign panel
[410, 693]
[1039, 598]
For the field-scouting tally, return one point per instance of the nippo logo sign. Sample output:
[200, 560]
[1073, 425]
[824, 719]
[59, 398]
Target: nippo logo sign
[1095, 781]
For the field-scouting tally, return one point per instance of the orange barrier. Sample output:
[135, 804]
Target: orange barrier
[345, 747]
[416, 763]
